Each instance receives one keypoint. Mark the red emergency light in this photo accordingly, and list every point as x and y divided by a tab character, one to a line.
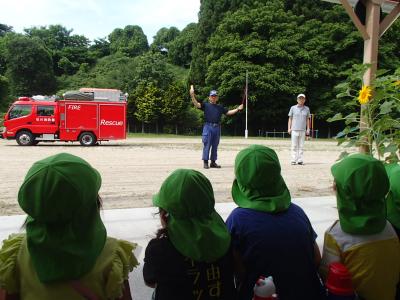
24	99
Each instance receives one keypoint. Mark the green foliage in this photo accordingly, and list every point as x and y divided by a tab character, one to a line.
177	72
68	51
173	102
163	38
130	41
4	86
381	130
286	46
29	66
110	72
4	29
147	100
150	67
211	13
180	49
100	48
2	56
273	52
389	50
192	119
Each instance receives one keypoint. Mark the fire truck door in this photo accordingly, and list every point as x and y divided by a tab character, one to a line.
45	120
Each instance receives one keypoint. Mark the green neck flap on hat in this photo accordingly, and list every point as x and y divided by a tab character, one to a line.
259	184
193	224
65	233
393	197
361	187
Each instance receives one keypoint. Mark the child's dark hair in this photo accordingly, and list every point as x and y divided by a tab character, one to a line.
162	232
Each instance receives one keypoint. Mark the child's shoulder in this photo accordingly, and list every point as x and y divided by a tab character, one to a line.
12	244
160	242
8	257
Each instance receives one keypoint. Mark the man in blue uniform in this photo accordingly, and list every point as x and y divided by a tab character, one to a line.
212	126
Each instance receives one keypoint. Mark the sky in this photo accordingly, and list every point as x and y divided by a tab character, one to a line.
98	18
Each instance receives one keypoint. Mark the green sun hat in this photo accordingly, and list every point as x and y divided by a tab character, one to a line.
258	184
393	197
194	227
361	188
64	230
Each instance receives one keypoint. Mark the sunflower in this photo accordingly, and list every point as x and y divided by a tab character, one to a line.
364	94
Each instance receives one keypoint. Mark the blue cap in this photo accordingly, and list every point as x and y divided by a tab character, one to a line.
213	93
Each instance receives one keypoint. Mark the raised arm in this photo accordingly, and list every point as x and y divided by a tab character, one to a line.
194	100
234	111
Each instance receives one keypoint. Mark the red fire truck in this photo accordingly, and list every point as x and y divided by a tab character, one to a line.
88	121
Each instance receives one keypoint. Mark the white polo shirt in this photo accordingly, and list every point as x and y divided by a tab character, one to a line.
299	115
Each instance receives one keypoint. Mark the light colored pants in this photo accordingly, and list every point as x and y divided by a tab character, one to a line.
298	137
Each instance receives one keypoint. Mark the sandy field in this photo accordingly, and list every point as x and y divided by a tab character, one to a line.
133	169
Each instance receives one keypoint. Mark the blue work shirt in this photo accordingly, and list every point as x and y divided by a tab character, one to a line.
213	112
280	245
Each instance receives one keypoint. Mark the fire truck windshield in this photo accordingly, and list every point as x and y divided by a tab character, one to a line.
18	111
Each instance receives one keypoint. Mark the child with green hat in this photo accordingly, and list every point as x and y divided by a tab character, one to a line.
65	253
362	239
190	258
272	236
393	197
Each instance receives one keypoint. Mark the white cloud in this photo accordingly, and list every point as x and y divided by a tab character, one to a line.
97	18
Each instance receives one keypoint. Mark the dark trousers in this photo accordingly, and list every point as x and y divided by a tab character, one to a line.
211	134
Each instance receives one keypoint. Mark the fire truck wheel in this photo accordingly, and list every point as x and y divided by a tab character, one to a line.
25	138
87	139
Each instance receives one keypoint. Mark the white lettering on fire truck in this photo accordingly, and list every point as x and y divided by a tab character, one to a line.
45	119
74	107
111	123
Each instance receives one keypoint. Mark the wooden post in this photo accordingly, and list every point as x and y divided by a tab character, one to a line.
372	20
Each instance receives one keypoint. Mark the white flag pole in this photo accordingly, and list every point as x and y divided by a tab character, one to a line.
246	132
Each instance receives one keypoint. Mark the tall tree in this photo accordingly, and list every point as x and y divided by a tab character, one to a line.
174	103
3	90
29	67
149	67
276	48
130	41
71	50
109	72
100	48
180	49
4	29
147	98
211	14
163	38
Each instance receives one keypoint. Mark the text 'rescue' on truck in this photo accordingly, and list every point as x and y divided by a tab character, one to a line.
87	116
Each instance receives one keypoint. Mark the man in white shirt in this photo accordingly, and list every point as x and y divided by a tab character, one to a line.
298	128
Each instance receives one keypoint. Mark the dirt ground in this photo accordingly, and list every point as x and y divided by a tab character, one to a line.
133	170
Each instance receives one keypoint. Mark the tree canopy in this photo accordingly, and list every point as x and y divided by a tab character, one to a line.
130	41
29	66
286	47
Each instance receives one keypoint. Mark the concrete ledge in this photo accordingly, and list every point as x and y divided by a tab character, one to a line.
139	225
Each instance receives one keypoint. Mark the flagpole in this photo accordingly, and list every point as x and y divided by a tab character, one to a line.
246	132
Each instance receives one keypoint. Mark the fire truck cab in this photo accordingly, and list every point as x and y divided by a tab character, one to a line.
31	121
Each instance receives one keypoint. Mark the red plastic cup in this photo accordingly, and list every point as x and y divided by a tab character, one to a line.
338	281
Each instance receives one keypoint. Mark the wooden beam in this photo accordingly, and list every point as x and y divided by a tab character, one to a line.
387	6
389	20
355	19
